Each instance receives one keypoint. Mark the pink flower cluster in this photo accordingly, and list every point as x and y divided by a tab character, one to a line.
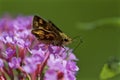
22	57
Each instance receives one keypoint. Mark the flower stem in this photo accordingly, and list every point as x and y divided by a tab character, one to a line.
43	65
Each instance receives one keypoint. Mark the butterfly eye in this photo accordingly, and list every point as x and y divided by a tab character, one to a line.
66	40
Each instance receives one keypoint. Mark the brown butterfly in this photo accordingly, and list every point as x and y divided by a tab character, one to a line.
47	33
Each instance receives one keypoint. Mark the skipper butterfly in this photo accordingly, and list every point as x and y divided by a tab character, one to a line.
47	33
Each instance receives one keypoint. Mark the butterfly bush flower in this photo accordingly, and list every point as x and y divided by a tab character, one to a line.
22	57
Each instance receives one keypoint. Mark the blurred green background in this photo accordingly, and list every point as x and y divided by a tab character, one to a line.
96	21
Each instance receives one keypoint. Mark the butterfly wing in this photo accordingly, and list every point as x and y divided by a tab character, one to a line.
38	22
46	32
55	27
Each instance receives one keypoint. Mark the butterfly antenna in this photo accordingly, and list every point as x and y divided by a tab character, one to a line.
80	41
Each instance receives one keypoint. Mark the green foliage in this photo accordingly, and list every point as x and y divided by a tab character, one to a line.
110	70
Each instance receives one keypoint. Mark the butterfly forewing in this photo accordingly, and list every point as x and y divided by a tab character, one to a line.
38	22
55	27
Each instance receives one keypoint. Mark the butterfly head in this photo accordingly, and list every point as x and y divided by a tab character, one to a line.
65	39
